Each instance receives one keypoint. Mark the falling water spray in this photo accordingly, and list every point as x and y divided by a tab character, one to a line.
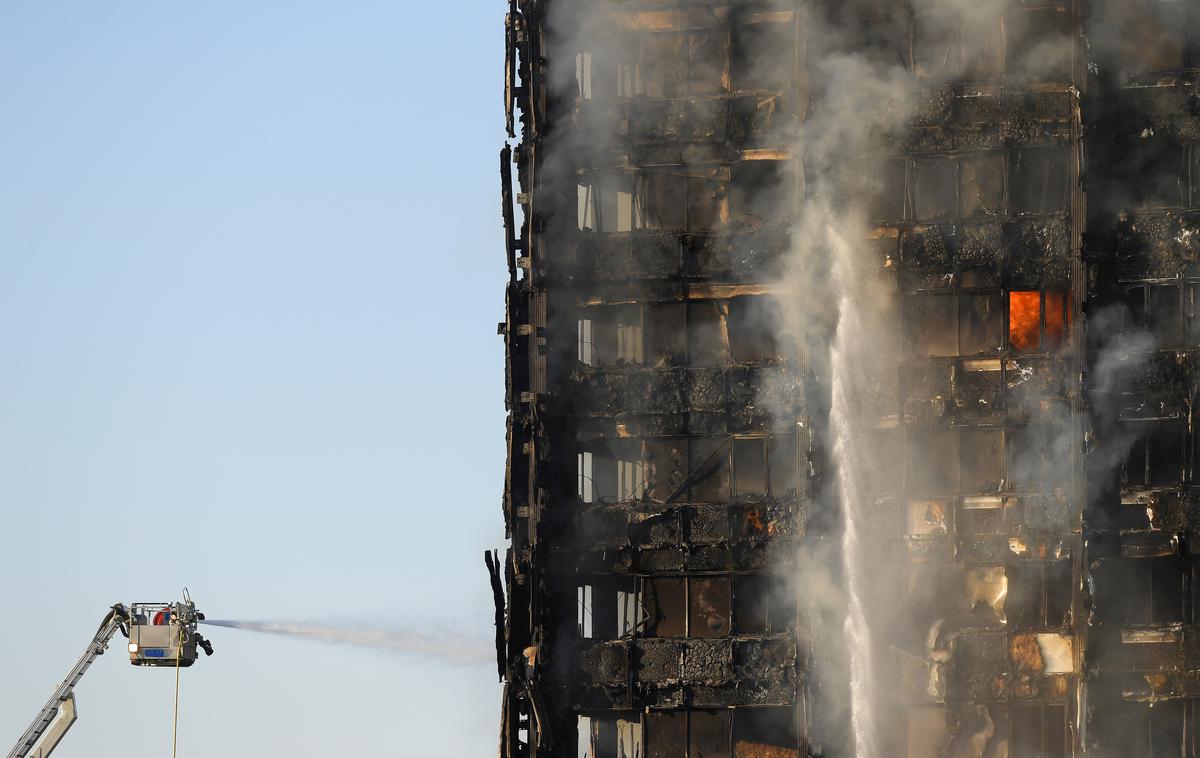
846	358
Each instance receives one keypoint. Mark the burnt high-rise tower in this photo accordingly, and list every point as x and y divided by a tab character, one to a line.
851	358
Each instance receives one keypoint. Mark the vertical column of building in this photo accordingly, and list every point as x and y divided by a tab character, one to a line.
526	729
1141	381
980	464
660	461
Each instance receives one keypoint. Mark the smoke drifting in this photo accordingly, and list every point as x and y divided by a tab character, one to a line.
448	648
926	239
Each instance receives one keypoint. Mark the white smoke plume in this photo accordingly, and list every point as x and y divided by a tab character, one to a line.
445	647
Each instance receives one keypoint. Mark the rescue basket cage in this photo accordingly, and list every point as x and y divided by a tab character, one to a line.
163	634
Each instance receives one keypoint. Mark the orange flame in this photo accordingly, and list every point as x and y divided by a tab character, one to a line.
1024	320
754	519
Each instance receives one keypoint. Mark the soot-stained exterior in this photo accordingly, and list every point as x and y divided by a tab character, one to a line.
671	489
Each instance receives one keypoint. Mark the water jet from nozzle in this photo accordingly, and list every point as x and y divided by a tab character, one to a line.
447	647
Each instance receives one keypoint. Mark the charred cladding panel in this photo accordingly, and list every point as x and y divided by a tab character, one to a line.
849	374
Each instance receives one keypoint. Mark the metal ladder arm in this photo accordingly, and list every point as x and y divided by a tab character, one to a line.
64	694
66	719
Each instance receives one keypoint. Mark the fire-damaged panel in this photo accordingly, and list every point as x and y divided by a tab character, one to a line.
851	358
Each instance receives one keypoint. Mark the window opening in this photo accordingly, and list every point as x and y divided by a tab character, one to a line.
587	484
631	480
585	345
1037	321
584	596
583	75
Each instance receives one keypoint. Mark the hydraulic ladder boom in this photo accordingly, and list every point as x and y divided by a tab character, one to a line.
63	697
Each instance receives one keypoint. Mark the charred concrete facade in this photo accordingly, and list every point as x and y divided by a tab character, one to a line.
672	489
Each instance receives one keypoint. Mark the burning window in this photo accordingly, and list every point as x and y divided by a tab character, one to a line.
1037	320
1039	180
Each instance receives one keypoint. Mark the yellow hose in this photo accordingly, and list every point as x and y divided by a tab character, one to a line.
175	722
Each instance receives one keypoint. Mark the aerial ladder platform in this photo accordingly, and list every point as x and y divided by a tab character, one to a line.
160	634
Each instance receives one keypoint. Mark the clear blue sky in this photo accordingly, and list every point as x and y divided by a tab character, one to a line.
250	274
